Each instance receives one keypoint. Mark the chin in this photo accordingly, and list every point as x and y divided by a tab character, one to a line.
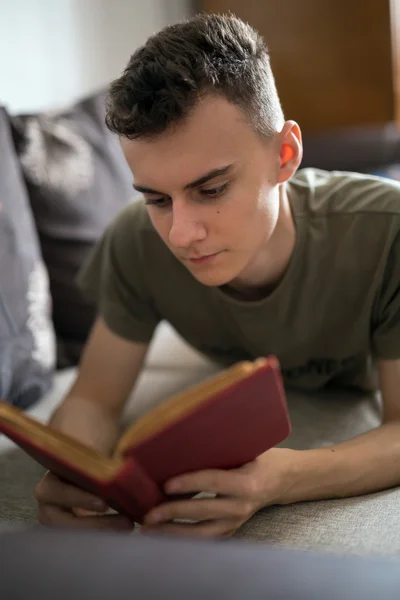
217	272
212	279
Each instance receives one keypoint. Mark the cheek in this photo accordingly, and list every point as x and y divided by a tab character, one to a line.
255	217
252	208
267	207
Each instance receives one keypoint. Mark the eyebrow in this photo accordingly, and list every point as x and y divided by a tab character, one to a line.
194	184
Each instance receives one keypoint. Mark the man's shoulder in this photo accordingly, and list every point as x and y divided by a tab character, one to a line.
132	226
133	217
340	192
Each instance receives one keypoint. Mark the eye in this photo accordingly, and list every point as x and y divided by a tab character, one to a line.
158	202
215	192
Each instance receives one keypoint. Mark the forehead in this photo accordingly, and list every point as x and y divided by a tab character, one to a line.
215	134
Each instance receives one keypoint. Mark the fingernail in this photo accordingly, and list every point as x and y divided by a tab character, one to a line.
99	505
153	518
172	487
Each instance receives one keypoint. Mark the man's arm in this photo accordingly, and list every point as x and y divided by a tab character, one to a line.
108	371
91	413
366	463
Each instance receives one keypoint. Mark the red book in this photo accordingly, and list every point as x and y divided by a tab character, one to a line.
222	423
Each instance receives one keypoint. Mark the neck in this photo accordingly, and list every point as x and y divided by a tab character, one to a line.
268	268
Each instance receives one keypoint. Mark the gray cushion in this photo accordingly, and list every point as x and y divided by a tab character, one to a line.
77	180
367	148
27	349
367	524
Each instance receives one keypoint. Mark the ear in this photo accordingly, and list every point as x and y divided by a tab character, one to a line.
290	151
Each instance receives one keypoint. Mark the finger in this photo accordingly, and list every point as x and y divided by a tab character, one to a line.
84	512
206	529
200	510
233	482
53	515
51	490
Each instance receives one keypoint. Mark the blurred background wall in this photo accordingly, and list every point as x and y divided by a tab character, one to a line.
335	61
52	52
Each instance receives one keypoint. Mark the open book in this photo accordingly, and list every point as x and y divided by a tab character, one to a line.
222	423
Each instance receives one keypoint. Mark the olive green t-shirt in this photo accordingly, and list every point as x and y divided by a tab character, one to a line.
336	309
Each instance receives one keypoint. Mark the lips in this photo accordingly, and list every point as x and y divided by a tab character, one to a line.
202	259
199	257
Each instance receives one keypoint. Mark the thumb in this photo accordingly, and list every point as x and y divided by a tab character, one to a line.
84	512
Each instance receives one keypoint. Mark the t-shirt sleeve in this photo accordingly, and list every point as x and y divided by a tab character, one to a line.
114	280
386	320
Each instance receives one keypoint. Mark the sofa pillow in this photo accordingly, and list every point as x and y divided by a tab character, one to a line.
78	180
352	148
27	345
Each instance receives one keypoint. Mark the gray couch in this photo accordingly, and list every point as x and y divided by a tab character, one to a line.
70	209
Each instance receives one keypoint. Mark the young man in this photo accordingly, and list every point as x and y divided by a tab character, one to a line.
245	257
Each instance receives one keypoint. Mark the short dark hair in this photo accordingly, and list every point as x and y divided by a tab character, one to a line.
209	54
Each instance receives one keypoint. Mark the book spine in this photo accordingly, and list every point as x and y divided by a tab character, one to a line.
134	493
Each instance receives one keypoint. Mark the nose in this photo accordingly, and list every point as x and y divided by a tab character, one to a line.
186	228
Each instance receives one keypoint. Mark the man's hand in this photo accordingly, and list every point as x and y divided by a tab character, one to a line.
367	463
62	504
239	494
91	414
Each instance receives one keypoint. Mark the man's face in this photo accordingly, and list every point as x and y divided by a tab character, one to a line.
210	185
